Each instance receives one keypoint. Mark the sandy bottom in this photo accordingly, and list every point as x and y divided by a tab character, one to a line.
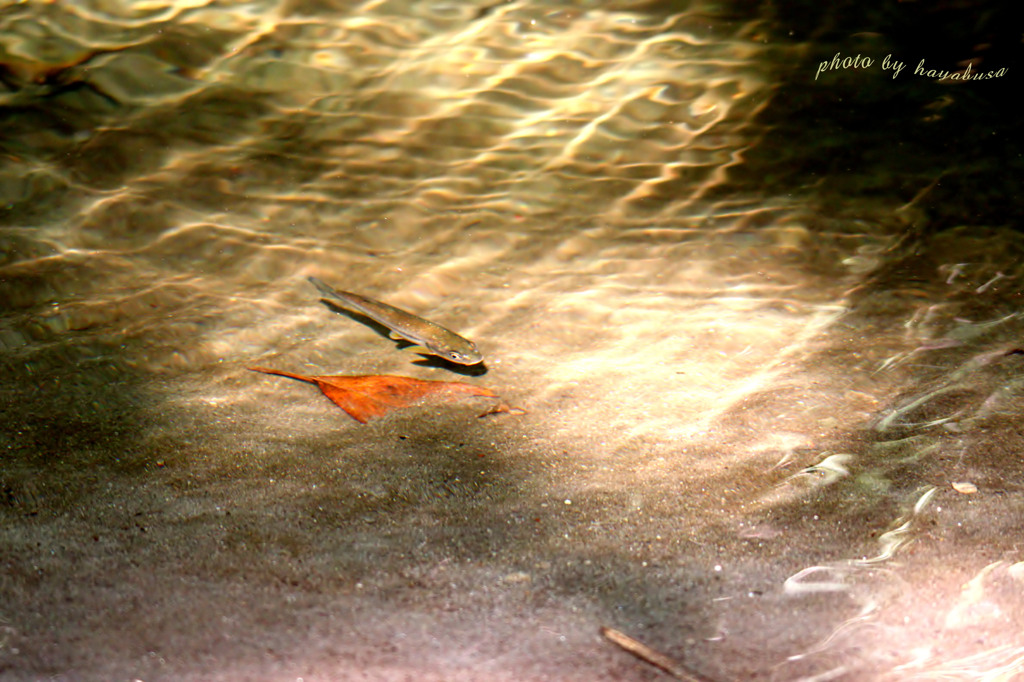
848	510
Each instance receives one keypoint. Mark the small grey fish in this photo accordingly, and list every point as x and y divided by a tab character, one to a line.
429	336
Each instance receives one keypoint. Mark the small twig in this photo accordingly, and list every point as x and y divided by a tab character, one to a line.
648	655
502	408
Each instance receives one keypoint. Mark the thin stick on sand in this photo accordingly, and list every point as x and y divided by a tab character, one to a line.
648	655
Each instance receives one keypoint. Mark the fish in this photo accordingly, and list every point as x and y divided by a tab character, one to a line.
430	337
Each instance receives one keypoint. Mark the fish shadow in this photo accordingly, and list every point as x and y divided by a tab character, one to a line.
426	360
477	370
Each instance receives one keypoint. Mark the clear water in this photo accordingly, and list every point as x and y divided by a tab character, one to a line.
768	344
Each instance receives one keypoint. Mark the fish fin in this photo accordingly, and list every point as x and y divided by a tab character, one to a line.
420	349
396	336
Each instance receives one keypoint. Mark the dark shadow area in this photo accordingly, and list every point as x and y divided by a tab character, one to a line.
852	133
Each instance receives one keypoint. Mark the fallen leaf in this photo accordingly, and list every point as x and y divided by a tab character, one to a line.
366	397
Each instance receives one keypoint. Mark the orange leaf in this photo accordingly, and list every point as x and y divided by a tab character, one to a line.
366	397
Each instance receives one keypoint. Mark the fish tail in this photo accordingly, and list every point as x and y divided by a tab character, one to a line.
324	289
